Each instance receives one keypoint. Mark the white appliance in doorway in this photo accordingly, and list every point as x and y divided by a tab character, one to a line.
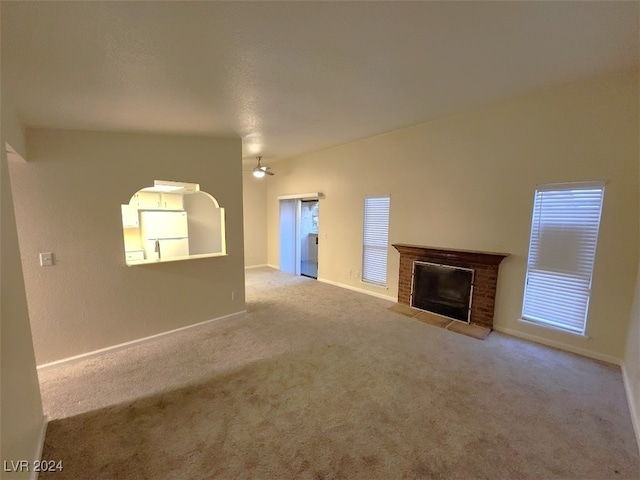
164	234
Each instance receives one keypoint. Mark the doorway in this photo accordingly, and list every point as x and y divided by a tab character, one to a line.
299	235
309	238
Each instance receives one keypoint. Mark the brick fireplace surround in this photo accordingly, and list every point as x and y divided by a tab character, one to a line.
485	265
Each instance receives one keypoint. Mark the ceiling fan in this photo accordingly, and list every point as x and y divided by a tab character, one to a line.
259	171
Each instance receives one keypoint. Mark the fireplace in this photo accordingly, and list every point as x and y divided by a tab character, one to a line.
469	271
442	289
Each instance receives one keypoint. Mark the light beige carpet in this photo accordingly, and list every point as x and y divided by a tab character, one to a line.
405	310
320	382
470	330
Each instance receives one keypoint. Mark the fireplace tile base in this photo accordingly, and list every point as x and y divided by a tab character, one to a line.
475	331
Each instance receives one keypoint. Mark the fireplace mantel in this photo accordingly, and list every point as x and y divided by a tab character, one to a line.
474	256
484	264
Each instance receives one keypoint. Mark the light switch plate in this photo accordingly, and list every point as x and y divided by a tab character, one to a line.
46	259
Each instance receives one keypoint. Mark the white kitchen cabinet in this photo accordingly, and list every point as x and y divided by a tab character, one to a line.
147	200
171	201
158	201
130	216
134	255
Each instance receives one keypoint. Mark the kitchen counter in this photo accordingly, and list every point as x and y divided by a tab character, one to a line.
174	259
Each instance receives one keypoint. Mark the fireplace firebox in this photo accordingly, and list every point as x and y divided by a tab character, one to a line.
442	289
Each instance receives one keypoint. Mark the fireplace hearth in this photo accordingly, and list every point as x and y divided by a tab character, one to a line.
444	299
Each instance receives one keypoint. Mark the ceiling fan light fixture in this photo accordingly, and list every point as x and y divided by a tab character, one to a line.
259	171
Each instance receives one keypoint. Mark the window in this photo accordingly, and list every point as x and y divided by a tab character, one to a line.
562	250
375	239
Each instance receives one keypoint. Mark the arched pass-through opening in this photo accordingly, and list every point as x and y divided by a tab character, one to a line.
172	221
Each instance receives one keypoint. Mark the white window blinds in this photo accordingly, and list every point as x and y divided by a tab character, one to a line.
562	250
376	234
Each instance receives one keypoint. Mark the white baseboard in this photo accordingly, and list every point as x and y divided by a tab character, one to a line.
251	267
634	408
40	446
359	290
560	345
276	267
120	346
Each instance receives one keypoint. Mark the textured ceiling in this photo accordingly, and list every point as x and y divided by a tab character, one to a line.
296	77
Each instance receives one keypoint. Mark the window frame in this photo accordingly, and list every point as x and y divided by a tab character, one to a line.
372	273
566	221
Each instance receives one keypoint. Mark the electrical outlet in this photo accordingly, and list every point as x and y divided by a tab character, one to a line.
46	259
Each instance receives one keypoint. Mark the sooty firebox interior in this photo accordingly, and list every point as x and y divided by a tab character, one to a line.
442	289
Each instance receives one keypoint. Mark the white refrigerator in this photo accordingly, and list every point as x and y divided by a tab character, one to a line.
165	235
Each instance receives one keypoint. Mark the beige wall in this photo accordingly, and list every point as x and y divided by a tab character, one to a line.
631	365
467	181
205	224
20	403
255	219
68	198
